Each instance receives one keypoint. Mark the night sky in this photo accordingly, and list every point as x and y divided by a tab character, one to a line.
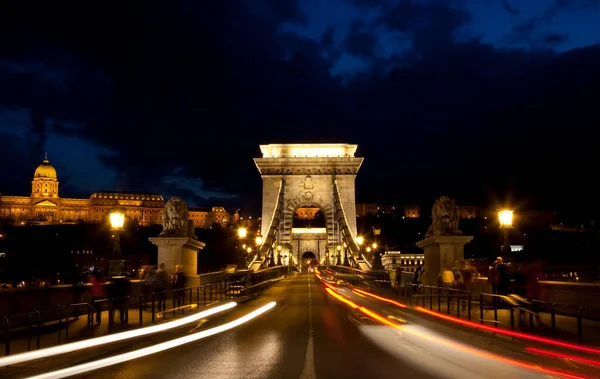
489	101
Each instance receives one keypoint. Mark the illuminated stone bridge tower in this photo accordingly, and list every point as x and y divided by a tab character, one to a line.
308	176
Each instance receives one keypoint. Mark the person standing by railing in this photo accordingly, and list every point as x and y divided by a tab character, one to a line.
96	282
178	282
418	274
534	290
503	278
447	278
160	285
494	276
119	293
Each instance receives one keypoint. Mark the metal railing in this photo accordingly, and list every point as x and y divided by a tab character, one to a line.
461	303
161	305
56	319
348	270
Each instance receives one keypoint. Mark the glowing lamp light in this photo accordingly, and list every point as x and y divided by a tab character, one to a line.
259	240
374	246
360	240
279	247
242	232
368	249
506	218
339	247
117	219
249	250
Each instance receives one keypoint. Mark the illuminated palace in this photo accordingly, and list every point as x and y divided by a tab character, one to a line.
46	206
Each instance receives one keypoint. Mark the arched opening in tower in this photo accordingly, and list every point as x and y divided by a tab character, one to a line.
309	217
309	259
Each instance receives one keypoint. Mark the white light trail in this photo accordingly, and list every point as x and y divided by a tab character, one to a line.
70	371
86	344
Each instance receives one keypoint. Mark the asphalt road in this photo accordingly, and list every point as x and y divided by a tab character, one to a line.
275	344
310	334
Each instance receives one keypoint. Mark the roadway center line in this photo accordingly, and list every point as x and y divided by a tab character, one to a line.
309	361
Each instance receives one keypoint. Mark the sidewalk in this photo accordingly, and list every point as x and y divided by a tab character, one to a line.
22	339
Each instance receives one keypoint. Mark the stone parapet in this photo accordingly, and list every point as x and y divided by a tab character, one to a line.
440	252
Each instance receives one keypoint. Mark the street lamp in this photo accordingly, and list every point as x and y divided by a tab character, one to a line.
279	256
272	257
360	240
376	263
242	233
506	223
258	242
117	220
346	262
339	261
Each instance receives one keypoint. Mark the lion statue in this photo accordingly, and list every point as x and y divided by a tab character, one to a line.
176	219
445	218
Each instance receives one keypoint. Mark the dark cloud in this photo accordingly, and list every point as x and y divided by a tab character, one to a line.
432	25
192	89
509	8
555	39
570	5
359	42
528	35
327	38
577	4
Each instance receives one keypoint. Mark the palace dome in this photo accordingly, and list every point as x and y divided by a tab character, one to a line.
45	170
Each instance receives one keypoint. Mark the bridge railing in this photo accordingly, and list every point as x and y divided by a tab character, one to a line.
144	309
212	277
267	274
565	321
348	270
76	321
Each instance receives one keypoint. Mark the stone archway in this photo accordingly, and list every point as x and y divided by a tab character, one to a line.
308	259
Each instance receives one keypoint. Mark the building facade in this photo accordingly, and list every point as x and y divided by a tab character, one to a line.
45	206
412	211
406	262
365	209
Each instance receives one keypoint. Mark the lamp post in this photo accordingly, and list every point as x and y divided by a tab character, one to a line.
376	264
272	256
506	223
117	220
242	234
338	262
258	241
279	256
359	241
346	262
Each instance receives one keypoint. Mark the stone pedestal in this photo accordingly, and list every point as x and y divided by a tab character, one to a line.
441	251
174	251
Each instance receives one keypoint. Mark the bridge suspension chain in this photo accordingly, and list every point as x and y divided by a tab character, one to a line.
343	221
